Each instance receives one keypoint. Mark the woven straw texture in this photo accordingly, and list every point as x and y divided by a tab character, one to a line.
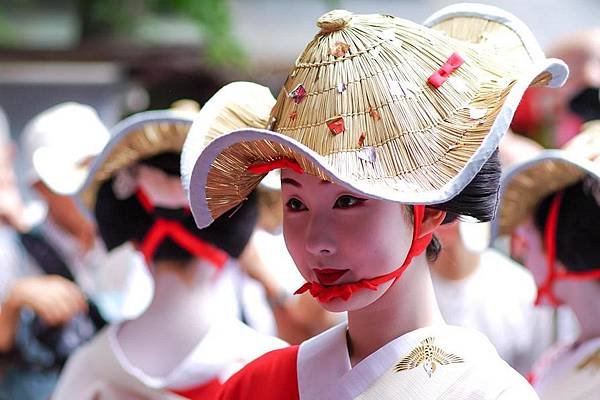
235	106
529	183
399	132
130	145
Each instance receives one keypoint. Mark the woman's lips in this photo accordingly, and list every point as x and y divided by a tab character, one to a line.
328	276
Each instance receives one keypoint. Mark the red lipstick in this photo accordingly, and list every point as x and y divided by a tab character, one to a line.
328	276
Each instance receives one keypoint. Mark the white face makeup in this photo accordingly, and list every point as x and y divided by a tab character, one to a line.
162	190
336	236
534	257
533	254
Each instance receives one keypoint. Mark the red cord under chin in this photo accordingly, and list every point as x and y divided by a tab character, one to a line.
546	290
344	291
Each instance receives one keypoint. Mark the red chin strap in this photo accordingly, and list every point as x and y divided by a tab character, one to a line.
164	228
546	290
327	293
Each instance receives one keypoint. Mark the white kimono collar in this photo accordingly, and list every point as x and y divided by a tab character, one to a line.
570	369
325	372
226	347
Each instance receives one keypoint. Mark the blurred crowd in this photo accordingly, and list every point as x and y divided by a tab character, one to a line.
100	258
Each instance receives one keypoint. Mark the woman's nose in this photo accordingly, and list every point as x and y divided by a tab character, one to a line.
320	240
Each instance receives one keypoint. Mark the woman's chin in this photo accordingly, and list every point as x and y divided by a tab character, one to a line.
359	300
337	305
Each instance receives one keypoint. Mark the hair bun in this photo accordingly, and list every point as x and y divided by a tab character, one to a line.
334	20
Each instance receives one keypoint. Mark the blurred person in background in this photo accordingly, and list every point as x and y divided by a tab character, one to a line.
515	148
58	147
190	338
471	283
552	203
552	118
471	280
45	314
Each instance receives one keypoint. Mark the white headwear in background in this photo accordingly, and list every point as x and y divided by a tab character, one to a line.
272	181
4	128
58	143
475	236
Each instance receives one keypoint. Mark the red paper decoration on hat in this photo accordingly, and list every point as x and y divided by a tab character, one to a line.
374	114
336	125
361	139
441	75
340	49
298	94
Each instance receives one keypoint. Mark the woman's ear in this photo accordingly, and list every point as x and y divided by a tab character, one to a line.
431	220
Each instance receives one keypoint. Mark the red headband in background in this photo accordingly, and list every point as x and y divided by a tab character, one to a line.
164	228
546	290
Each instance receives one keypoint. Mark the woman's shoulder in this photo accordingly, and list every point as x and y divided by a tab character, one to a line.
271	376
470	341
99	348
473	345
569	371
485	371
83	373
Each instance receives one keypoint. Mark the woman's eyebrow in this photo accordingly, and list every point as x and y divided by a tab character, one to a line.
292	182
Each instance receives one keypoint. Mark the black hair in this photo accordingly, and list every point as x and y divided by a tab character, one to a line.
433	249
478	200
122	220
578	226
586	104
169	162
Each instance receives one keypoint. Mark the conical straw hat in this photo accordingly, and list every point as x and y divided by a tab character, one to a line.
527	184
140	136
385	107
237	105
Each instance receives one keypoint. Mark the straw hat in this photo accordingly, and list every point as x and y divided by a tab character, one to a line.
528	183
135	138
236	105
59	143
386	107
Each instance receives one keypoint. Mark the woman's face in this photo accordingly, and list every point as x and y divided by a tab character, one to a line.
337	236
533	254
532	250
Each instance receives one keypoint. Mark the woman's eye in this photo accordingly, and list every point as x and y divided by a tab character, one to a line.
294	204
348	201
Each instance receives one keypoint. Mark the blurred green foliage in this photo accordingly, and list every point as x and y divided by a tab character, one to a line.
213	18
100	20
117	19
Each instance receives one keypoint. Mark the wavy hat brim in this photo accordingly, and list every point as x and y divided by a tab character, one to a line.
135	138
527	184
